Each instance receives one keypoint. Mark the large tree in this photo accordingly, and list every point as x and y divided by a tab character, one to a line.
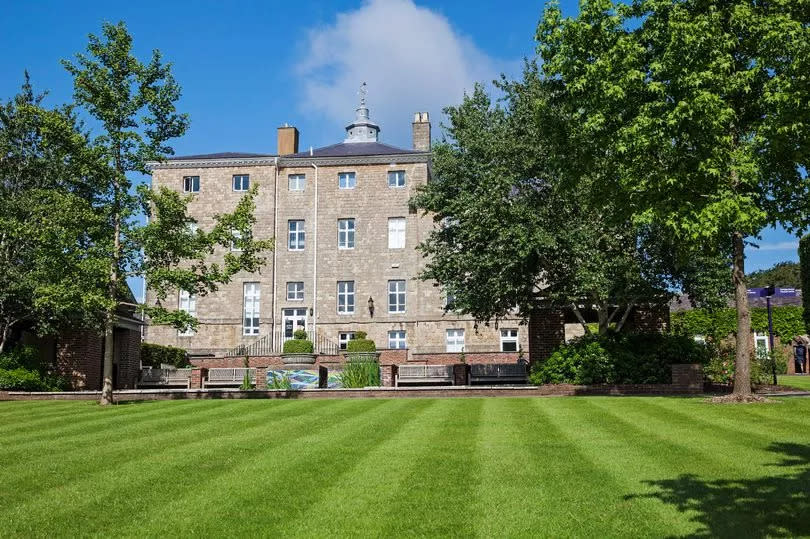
132	105
706	104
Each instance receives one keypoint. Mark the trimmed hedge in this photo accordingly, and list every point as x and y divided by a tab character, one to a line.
360	343
787	322
298	346
156	354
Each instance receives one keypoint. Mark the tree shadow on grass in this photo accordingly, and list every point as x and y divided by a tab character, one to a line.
774	505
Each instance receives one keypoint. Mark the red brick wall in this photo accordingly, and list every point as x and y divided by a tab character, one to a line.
79	356
470	358
546	333
128	357
648	319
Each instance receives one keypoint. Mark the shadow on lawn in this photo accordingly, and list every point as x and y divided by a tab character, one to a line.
776	505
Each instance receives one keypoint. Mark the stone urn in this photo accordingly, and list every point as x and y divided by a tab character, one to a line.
298	359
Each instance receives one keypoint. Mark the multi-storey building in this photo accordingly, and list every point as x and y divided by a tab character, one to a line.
345	257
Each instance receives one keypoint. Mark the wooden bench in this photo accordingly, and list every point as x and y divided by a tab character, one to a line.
165	377
498	372
424	374
224	377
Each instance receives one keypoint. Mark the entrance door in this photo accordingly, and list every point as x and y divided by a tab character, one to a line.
294	319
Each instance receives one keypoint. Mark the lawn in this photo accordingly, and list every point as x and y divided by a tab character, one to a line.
801	382
587	466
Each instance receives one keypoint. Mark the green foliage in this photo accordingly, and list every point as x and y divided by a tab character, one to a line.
300	334
781	274
156	354
279	381
361	344
642	358
246	385
804	262
360	373
722	367
22	370
719	324
298	346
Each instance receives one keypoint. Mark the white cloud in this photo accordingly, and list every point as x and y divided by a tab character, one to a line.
779	246
411	58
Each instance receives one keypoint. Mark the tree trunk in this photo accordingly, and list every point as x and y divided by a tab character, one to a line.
604	319
109	321
581	319
742	372
5	336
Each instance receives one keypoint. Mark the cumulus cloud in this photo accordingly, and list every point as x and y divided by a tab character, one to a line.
779	246
411	58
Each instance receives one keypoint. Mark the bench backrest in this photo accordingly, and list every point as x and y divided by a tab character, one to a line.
220	374
425	371
164	376
498	370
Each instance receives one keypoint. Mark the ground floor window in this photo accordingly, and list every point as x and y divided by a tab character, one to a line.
294	319
396	339
343	339
761	342
252	299
455	340
509	340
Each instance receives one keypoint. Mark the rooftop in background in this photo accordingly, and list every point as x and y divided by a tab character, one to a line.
352	149
782	297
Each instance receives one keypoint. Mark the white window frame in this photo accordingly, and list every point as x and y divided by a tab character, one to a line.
234	244
397	339
347	180
454	340
242	181
251	301
399	295
399	179
187	302
346	233
509	336
296	182
346	296
189	184
396	232
343	339
294	291
761	337
297	235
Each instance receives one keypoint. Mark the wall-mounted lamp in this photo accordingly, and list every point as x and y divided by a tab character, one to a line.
371	307
311	311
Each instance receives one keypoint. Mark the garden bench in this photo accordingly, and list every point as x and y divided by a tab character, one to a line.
498	372
424	374
229	377
165	377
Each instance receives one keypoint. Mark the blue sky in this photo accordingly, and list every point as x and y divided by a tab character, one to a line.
248	67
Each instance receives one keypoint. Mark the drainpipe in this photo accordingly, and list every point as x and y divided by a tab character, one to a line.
315	262
275	252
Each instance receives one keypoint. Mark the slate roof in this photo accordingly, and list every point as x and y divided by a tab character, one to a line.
353	149
683	303
221	155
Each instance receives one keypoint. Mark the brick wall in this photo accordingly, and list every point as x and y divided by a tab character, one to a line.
79	356
648	319
546	333
470	358
127	357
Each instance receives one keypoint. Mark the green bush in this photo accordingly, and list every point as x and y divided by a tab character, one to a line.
360	343
298	346
300	334
718	324
358	373
722	366
23	356
642	358
22	370
156	354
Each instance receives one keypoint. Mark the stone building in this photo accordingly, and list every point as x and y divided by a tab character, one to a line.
345	257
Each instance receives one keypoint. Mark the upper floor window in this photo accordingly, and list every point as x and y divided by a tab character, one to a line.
396	296
295	291
509	340
241	182
345	296
252	299
237	240
396	339
188	303
345	233
396	178
297	236
297	182
191	184
347	180
396	233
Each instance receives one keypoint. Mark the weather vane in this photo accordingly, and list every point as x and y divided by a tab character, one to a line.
362	94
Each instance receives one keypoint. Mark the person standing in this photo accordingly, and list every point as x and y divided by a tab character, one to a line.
799	355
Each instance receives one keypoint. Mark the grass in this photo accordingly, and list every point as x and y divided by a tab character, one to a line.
798	381
599	467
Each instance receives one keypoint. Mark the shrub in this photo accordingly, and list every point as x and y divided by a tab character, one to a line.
26	357
22	370
298	346
279	381
300	334
721	368
358	373
583	362
360	343
156	354
246	383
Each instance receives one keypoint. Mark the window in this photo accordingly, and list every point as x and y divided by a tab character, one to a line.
188	303
252	297
396	178
295	291
345	297
297	182
700	339
761	342
343	339
509	340
455	340
237	237
449	302
396	233
396	339
192	228
191	184
241	182
347	180
297	235
396	296
345	233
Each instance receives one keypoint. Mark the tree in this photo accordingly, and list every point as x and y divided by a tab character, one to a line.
705	102
782	274
804	261
48	177
133	105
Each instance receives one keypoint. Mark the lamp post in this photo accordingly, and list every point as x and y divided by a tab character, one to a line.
768	293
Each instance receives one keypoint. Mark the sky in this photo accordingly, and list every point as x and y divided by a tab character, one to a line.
248	67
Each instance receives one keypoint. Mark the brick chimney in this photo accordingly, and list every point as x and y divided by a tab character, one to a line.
421	131
287	140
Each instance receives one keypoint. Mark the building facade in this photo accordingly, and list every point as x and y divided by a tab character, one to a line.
345	257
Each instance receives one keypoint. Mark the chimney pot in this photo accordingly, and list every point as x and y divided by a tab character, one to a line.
421	131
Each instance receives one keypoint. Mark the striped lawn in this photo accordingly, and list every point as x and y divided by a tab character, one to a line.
793	380
556	467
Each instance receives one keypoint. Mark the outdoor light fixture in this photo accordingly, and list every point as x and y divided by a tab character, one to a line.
311	311
371	307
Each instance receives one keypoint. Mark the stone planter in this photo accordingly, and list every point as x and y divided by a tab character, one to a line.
298	359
